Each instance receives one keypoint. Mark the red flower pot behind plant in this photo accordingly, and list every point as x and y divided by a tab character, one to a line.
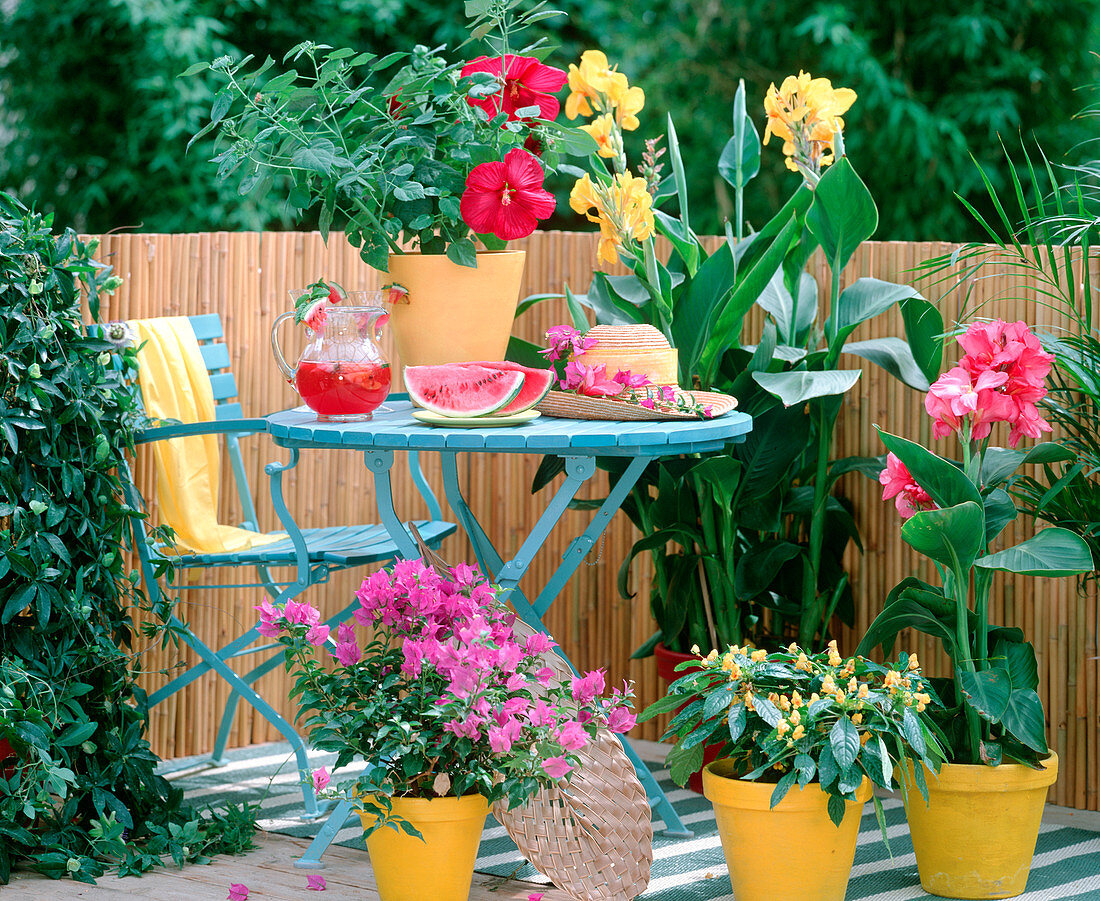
6	753
667	661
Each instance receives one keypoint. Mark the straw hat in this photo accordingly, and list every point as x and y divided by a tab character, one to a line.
639	350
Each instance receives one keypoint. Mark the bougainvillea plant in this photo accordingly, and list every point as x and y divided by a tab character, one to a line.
406	150
954	511
444	698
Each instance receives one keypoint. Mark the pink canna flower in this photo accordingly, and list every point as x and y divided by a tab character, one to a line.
956	395
556	767
898	482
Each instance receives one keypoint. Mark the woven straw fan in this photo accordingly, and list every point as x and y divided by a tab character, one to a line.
591	836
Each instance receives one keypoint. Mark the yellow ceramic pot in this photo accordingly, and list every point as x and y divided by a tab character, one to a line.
976	836
452	313
439	867
818	857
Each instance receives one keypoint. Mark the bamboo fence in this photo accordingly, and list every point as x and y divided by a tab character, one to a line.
245	277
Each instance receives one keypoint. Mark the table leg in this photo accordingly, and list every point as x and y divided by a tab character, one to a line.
508	574
380	462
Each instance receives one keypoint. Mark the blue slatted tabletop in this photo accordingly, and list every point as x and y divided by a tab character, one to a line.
395	429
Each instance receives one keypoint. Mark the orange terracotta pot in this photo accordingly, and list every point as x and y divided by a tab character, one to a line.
452	313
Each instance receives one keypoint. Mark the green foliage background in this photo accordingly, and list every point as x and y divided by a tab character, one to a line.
93	121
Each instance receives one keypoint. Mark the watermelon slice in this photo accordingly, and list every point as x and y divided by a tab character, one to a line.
459	389
536	384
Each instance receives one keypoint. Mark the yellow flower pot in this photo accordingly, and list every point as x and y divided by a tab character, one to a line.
976	836
753	833
439	867
454	314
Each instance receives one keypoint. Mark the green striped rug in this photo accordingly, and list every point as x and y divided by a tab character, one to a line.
1066	865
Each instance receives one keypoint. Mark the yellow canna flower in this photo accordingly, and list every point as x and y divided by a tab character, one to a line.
759	655
798	732
624	212
784	703
913	663
834	655
796	699
853	685
805	112
602	130
783	728
595	87
626	101
792	648
796	717
857	718
828	686
864	691
892	679
840	697
803	663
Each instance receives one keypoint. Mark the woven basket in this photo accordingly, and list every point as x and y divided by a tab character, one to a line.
591	836
567	405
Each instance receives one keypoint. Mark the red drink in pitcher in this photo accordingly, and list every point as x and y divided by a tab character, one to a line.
342	388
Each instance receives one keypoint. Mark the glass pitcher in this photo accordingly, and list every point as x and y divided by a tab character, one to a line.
342	375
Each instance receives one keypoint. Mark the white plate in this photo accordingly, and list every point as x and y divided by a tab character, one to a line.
475	422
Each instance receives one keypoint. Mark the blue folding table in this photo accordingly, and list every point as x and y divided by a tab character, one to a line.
579	442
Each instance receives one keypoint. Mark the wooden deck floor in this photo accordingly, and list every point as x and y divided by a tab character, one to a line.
268	872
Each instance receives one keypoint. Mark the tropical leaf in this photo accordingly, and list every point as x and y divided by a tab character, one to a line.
1052	552
797	387
951	536
843	214
945	483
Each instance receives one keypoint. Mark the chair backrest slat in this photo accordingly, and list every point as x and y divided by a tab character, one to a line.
207	327
224	386
215	356
228	411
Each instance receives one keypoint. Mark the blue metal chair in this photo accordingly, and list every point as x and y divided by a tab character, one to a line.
313	553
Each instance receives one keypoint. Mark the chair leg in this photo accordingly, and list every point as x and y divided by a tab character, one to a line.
240	689
311	859
232	703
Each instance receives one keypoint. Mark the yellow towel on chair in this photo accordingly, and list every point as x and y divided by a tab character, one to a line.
175	384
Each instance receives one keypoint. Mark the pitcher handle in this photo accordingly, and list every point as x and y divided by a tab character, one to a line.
278	351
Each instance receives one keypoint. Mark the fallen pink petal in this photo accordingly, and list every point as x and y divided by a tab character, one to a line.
315	883
238	891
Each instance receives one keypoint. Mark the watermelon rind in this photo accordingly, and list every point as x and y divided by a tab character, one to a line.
461	390
536	384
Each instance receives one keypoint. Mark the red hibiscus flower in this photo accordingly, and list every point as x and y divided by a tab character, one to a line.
527	82
506	198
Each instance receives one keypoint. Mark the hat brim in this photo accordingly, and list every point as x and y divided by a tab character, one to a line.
567	405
